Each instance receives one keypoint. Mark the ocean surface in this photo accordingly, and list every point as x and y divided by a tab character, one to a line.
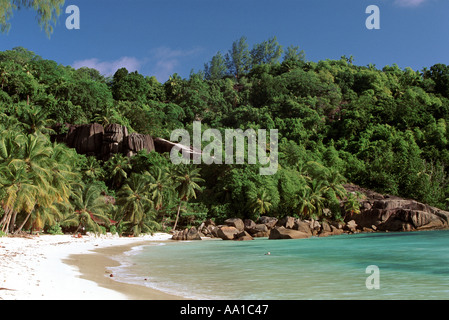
407	265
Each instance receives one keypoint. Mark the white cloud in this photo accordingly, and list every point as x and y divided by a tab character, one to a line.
162	62
409	3
108	68
166	61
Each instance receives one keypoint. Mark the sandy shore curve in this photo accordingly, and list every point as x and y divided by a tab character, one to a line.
62	267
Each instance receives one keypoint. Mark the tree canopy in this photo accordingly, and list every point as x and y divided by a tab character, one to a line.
384	129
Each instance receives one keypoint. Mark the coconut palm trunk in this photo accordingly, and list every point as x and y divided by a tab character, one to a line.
187	178
177	215
12	221
7	220
23	223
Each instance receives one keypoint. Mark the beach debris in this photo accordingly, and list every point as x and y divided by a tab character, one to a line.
111	275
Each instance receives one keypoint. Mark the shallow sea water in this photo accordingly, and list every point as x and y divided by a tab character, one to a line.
412	265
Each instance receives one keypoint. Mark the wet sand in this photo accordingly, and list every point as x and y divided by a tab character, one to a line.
95	267
63	267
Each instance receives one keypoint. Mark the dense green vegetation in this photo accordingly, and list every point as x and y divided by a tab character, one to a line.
384	129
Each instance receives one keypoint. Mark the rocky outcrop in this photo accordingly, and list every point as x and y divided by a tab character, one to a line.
208	229
113	138
285	233
102	142
378	213
389	213
227	233
162	145
85	139
270	222
329	229
303	226
236	223
136	142
257	230
243	236
187	235
287	222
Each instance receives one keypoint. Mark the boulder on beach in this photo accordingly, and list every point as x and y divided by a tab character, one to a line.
284	233
249	224
302	226
258	230
235	222
391	213
243	236
328	229
270	222
287	222
227	232
351	226
187	234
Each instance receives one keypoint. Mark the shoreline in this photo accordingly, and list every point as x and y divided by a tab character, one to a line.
61	267
95	267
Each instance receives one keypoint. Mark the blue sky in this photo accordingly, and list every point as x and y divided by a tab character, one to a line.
160	37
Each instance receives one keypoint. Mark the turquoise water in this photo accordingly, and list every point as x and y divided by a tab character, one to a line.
412	265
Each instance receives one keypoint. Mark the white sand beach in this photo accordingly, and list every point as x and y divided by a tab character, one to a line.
47	267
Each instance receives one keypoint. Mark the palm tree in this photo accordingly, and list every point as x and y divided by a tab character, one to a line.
260	202
160	184
34	121
92	168
334	181
90	209
18	194
27	174
134	199
9	144
352	204
36	177
35	153
187	177
310	199
304	205
118	167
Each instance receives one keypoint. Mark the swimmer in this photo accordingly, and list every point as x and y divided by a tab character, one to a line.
268	253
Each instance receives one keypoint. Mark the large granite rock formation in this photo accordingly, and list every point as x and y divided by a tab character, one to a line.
187	235
113	138
389	213
285	233
136	142
85	139
103	142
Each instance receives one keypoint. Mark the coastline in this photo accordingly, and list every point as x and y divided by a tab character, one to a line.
95	267
61	267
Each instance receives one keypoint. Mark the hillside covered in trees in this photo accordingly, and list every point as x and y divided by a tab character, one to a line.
383	129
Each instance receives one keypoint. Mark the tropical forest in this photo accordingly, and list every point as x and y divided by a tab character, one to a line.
382	128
